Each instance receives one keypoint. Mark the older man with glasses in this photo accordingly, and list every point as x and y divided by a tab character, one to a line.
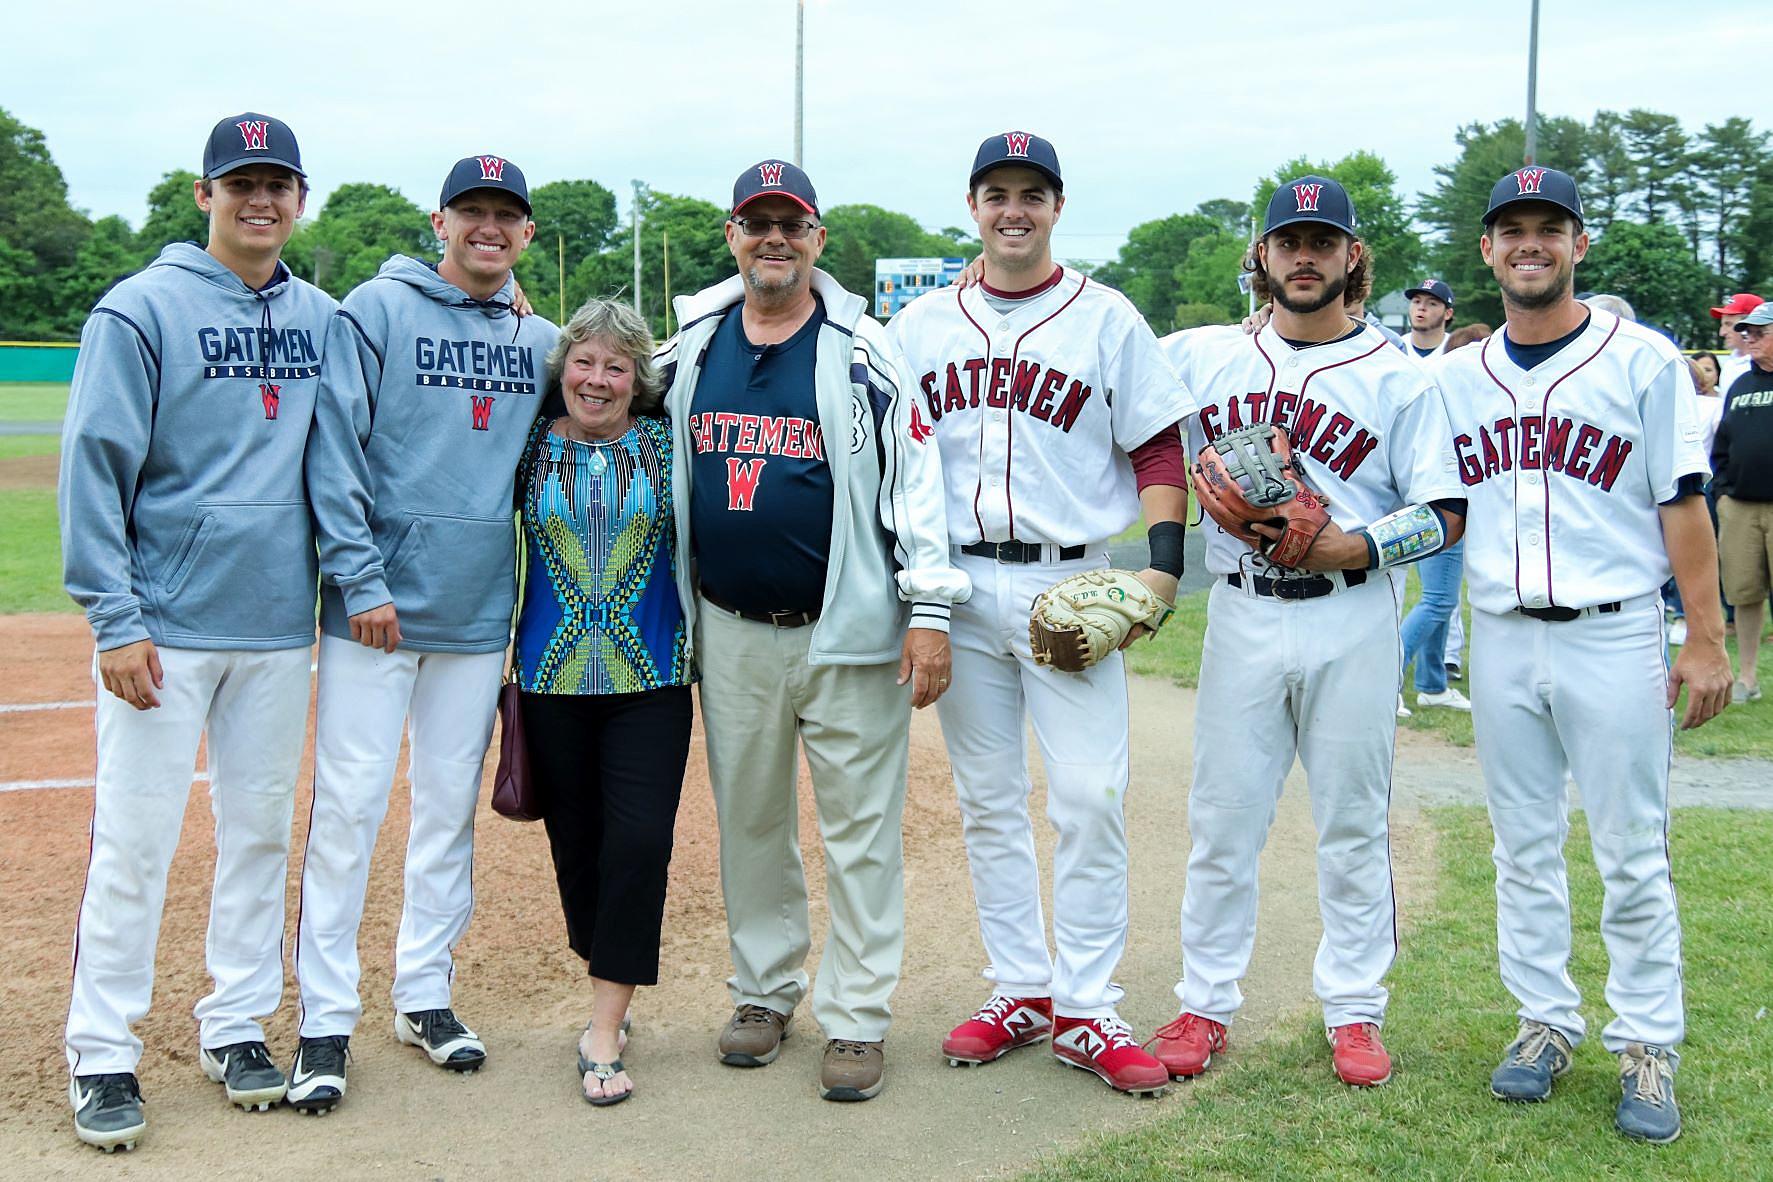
811	532
1742	460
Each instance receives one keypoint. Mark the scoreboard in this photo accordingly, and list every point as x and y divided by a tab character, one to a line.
899	281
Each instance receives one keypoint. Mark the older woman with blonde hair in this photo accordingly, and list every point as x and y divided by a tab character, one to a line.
601	663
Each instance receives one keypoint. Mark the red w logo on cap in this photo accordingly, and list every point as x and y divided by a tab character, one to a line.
1307	196
771	172
256	133
492	168
1529	180
1016	142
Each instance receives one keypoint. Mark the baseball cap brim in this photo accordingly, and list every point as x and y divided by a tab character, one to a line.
1019	162
1308	217
1762	315
1531	199
776	193
1735	306
1411	292
240	162
461	193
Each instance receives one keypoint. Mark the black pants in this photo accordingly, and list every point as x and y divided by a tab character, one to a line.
610	770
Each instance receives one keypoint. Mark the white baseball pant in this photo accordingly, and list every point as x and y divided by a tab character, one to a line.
447	702
254	708
1080	723
1316	678
1587	696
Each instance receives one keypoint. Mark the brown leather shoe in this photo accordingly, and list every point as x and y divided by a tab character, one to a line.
852	1070
754	1036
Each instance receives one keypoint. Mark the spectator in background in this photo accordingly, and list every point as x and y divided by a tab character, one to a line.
1735	362
1618	305
1711	411
1742	460
1466	334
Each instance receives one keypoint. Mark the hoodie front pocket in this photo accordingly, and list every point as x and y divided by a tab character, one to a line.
247	572
451	578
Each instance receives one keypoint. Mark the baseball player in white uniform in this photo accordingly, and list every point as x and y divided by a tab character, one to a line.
1305	660
1056	416
1579	448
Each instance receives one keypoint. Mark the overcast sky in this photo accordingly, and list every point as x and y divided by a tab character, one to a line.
1153	107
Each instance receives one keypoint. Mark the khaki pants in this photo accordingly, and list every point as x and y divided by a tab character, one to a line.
758	694
1745	550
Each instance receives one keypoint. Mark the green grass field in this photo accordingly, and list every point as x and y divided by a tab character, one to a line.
1274	1110
30	553
13	446
31	402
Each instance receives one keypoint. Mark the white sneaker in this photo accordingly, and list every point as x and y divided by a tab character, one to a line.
1403	711
1449	698
1677	632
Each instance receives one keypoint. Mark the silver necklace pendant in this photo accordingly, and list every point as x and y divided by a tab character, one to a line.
598	463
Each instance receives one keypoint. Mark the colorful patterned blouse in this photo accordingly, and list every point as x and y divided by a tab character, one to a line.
600	609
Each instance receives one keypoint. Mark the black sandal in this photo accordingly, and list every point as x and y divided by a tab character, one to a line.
605	1072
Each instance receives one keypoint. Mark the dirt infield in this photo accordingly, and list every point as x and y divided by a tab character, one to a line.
522	990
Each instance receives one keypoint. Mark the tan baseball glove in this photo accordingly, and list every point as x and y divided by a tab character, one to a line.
1080	620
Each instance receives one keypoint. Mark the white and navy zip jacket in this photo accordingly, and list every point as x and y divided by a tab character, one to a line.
184	518
890	565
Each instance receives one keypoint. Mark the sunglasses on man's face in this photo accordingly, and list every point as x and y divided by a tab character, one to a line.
790	227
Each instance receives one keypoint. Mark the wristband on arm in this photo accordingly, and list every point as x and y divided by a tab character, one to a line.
1165	538
1411	534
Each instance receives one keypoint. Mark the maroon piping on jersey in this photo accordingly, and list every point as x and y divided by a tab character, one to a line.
1009	420
1544	411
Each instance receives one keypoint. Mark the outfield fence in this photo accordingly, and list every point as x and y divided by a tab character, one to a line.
37	361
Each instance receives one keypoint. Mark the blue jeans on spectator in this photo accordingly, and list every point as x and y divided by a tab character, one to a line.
1425	628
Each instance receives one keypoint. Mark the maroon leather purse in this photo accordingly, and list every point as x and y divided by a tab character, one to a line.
514	788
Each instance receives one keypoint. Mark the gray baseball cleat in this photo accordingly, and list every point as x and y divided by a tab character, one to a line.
1538	1055
245	1070
107	1110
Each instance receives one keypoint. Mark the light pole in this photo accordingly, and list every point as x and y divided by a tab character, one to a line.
1533	87
800	73
636	219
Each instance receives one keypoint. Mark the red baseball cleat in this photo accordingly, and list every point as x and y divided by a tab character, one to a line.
1187	1045
1360	1058
1001	1025
1106	1047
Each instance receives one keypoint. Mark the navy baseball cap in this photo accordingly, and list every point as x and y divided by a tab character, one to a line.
484	172
1021	149
775	178
1310	199
1534	183
250	138
1432	287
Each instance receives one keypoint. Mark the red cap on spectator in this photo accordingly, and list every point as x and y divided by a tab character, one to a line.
1740	304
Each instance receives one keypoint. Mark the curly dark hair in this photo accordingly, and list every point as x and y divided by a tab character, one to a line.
1360	276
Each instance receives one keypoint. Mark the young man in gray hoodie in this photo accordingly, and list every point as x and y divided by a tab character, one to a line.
421	418
186	538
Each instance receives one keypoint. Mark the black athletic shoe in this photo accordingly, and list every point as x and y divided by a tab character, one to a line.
443	1038
246	1071
317	1077
107	1110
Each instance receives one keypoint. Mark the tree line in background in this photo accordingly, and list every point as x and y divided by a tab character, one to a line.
1676	219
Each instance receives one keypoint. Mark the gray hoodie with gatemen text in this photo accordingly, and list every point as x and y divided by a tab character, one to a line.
424	408
184	518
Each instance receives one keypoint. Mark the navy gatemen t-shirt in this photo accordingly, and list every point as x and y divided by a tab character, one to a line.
761	500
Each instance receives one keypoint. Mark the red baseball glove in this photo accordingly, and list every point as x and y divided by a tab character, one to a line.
1251	475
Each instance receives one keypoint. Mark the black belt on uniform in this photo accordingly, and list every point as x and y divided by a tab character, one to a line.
1309	587
1014	551
779	619
1563	615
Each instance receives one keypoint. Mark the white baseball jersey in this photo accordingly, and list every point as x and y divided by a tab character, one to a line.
1565	465
1035	408
1367	423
